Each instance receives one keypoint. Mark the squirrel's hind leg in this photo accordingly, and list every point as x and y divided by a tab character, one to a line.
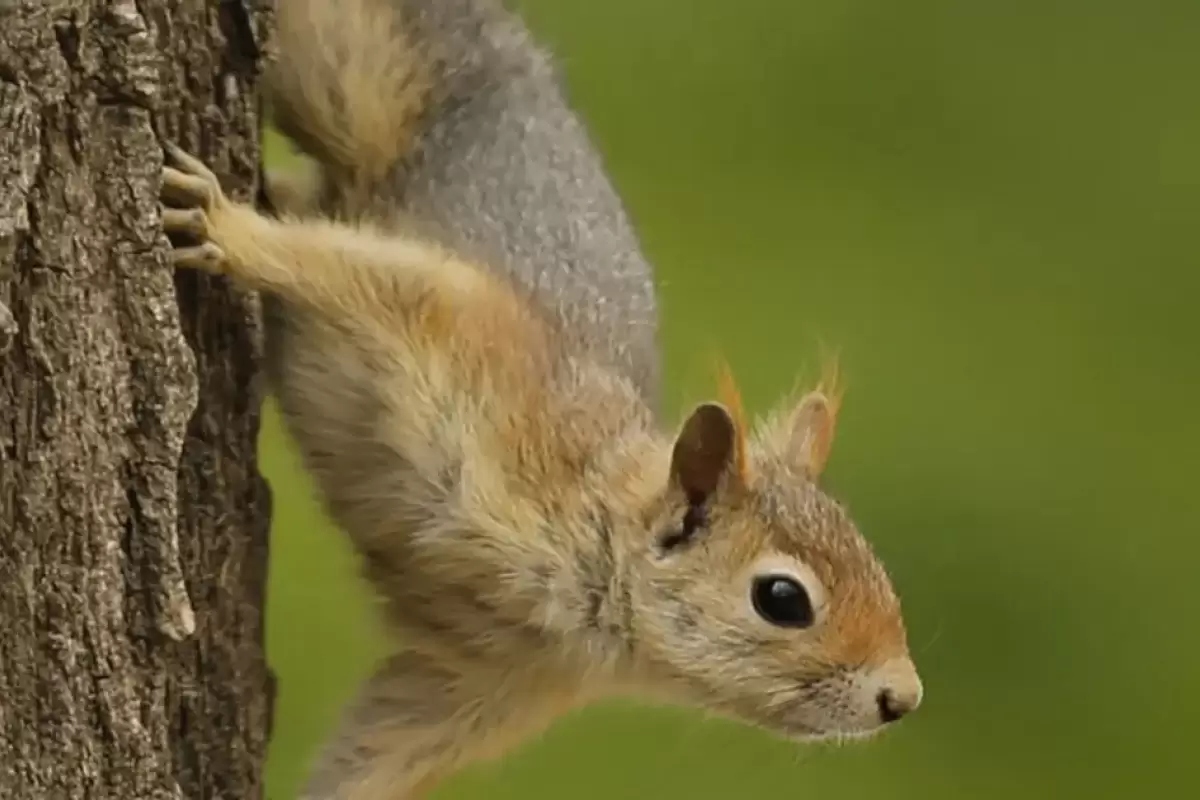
414	723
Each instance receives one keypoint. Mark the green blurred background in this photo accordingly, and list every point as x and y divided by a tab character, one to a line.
992	211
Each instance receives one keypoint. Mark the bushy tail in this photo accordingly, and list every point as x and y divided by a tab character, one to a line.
348	83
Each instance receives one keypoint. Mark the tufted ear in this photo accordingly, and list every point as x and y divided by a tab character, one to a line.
706	450
809	432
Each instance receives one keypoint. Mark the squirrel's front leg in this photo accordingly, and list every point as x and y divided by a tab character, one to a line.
349	274
214	234
327	267
417	721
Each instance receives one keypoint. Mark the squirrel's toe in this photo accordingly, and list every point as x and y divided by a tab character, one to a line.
186	191
191	222
206	257
178	157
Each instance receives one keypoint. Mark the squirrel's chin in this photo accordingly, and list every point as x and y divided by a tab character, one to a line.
809	735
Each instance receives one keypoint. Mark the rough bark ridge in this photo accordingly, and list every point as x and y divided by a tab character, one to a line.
133	520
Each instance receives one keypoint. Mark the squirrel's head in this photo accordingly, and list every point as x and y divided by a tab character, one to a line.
760	600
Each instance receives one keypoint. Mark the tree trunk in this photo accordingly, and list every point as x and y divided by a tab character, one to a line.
133	520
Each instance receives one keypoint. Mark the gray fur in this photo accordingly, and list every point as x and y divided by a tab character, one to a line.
504	171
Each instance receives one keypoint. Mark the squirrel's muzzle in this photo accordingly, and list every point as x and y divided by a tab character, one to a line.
897	688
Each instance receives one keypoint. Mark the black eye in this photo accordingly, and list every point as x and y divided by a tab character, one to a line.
782	601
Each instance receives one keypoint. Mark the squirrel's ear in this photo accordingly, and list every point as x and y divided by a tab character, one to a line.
810	432
707	448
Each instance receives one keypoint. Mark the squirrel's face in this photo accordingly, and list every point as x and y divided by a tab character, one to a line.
762	600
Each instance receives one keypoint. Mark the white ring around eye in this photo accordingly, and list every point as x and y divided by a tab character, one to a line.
780	564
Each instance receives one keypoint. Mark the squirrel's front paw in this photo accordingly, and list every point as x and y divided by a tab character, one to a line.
190	194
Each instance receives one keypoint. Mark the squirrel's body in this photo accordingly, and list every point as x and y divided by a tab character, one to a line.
461	337
446	118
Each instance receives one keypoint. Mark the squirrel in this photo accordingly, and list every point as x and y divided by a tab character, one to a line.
461	338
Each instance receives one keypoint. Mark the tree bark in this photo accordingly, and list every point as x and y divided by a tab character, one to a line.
133	519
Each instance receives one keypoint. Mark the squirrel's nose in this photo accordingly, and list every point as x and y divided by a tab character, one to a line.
893	706
899	691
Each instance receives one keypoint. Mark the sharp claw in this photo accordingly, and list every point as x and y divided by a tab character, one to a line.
171	152
189	163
